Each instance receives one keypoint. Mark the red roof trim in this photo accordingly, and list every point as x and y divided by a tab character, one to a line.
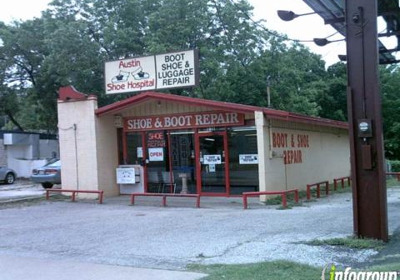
109	109
226	106
70	93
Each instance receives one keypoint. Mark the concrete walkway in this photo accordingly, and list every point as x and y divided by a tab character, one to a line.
14	268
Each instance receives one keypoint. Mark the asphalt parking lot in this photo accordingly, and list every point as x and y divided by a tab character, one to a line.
147	236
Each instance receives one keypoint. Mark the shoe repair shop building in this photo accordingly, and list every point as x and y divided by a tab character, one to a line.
208	147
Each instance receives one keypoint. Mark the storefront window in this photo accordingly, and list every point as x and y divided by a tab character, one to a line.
228	160
134	147
243	160
120	136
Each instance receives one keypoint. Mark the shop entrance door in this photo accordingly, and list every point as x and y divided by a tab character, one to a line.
212	173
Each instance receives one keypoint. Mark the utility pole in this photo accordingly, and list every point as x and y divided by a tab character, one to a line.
365	121
268	91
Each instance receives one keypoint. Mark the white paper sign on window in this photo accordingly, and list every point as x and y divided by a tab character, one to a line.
156	154
211	168
126	176
248	159
139	151
212	159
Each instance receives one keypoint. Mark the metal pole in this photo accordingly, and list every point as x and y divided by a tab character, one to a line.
365	121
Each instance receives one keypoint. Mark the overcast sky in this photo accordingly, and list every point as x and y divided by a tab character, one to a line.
303	28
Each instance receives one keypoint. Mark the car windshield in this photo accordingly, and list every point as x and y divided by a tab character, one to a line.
54	164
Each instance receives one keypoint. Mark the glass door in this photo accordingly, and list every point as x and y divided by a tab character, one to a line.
212	175
183	161
170	164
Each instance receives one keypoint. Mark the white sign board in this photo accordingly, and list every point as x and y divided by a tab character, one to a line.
126	176
212	159
156	154
176	69
248	159
128	75
171	70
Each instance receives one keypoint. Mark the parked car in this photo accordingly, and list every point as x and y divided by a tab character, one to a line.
47	175
7	175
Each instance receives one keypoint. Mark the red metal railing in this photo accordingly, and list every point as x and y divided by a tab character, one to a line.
165	195
397	174
342	179
281	193
318	186
74	192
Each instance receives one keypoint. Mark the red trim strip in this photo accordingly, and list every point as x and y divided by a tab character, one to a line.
270	113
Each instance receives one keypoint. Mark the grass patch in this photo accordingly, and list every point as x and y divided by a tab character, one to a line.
392	182
273	200
276	270
385	267
290	203
350	242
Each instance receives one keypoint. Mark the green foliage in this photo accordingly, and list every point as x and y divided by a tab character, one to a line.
266	270
392	182
332	94
294	72
395	165
70	42
390	83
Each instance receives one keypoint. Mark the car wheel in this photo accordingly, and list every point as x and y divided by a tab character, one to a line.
10	178
47	185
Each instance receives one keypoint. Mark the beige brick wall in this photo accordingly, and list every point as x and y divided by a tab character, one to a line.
88	148
78	147
316	154
107	155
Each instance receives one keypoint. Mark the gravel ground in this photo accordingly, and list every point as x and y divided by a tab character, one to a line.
149	236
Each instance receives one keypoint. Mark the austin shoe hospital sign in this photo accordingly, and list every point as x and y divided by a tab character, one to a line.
162	71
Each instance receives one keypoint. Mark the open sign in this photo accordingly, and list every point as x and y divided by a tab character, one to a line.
156	154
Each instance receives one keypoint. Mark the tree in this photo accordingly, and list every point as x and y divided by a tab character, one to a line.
333	97
70	42
294	72
21	54
390	84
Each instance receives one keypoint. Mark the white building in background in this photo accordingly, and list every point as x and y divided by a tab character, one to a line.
24	151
